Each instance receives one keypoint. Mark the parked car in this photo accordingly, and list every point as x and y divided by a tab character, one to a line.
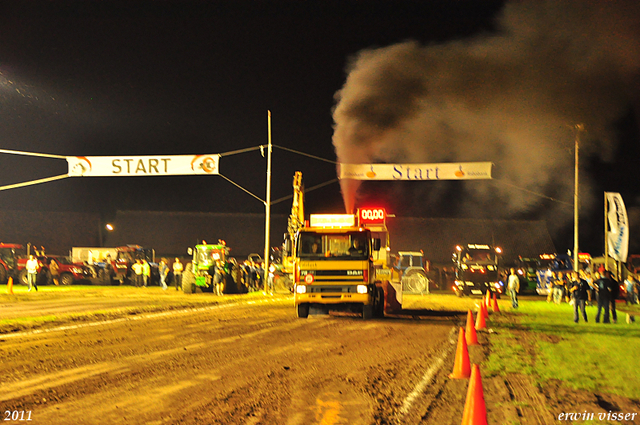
69	272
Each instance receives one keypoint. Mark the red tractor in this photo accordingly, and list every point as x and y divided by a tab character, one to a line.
126	256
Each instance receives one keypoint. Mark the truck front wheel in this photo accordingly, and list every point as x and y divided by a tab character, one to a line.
378	310
367	312
302	310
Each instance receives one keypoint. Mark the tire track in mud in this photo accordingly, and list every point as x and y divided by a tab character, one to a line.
47	381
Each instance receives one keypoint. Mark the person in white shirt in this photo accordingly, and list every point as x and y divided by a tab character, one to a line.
177	273
513	285
32	272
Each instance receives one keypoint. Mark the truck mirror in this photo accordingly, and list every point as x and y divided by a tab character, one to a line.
287	246
376	244
190	251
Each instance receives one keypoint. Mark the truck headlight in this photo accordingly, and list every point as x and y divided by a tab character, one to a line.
362	289
301	289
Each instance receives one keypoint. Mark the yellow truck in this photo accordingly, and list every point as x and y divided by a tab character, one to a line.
342	264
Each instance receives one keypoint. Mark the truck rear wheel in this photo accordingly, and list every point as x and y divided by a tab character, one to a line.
302	310
188	279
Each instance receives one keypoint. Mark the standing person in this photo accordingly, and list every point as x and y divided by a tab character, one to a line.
163	268
551	278
255	276
579	291
177	273
513	285
146	273
270	278
603	285
558	288
32	272
630	288
614	292
246	275
586	276
136	270
54	269
218	277
108	269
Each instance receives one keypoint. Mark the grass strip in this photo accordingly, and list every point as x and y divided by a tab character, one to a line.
589	356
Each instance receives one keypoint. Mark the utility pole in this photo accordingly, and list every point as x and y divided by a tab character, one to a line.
579	128
267	204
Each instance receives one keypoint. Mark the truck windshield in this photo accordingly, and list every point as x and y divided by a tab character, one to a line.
351	245
478	256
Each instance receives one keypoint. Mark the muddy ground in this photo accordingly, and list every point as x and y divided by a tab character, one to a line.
243	360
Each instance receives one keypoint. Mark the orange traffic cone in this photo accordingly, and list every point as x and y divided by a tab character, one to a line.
10	285
486	311
461	367
496	308
475	410
472	337
486	298
480	320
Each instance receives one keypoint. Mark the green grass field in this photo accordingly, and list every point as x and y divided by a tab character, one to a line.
590	356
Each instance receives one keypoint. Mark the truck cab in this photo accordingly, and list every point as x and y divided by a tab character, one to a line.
340	266
476	268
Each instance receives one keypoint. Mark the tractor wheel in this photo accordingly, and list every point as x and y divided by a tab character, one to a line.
22	277
188	280
302	310
416	281
3	275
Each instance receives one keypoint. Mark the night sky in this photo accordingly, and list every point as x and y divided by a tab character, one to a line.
149	78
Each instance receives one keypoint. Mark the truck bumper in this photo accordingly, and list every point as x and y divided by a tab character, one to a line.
333	298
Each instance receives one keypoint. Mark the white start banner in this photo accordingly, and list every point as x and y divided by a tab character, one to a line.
155	165
618	233
444	171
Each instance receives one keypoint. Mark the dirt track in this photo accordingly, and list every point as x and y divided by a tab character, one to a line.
236	363
131	356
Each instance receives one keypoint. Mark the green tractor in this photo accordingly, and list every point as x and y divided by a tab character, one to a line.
196	273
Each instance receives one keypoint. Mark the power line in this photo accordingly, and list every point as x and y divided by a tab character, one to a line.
44	155
32	182
531	192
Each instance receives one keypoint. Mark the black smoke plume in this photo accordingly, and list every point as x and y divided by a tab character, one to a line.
512	98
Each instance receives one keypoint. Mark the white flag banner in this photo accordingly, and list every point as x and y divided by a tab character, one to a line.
618	233
444	171
155	165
